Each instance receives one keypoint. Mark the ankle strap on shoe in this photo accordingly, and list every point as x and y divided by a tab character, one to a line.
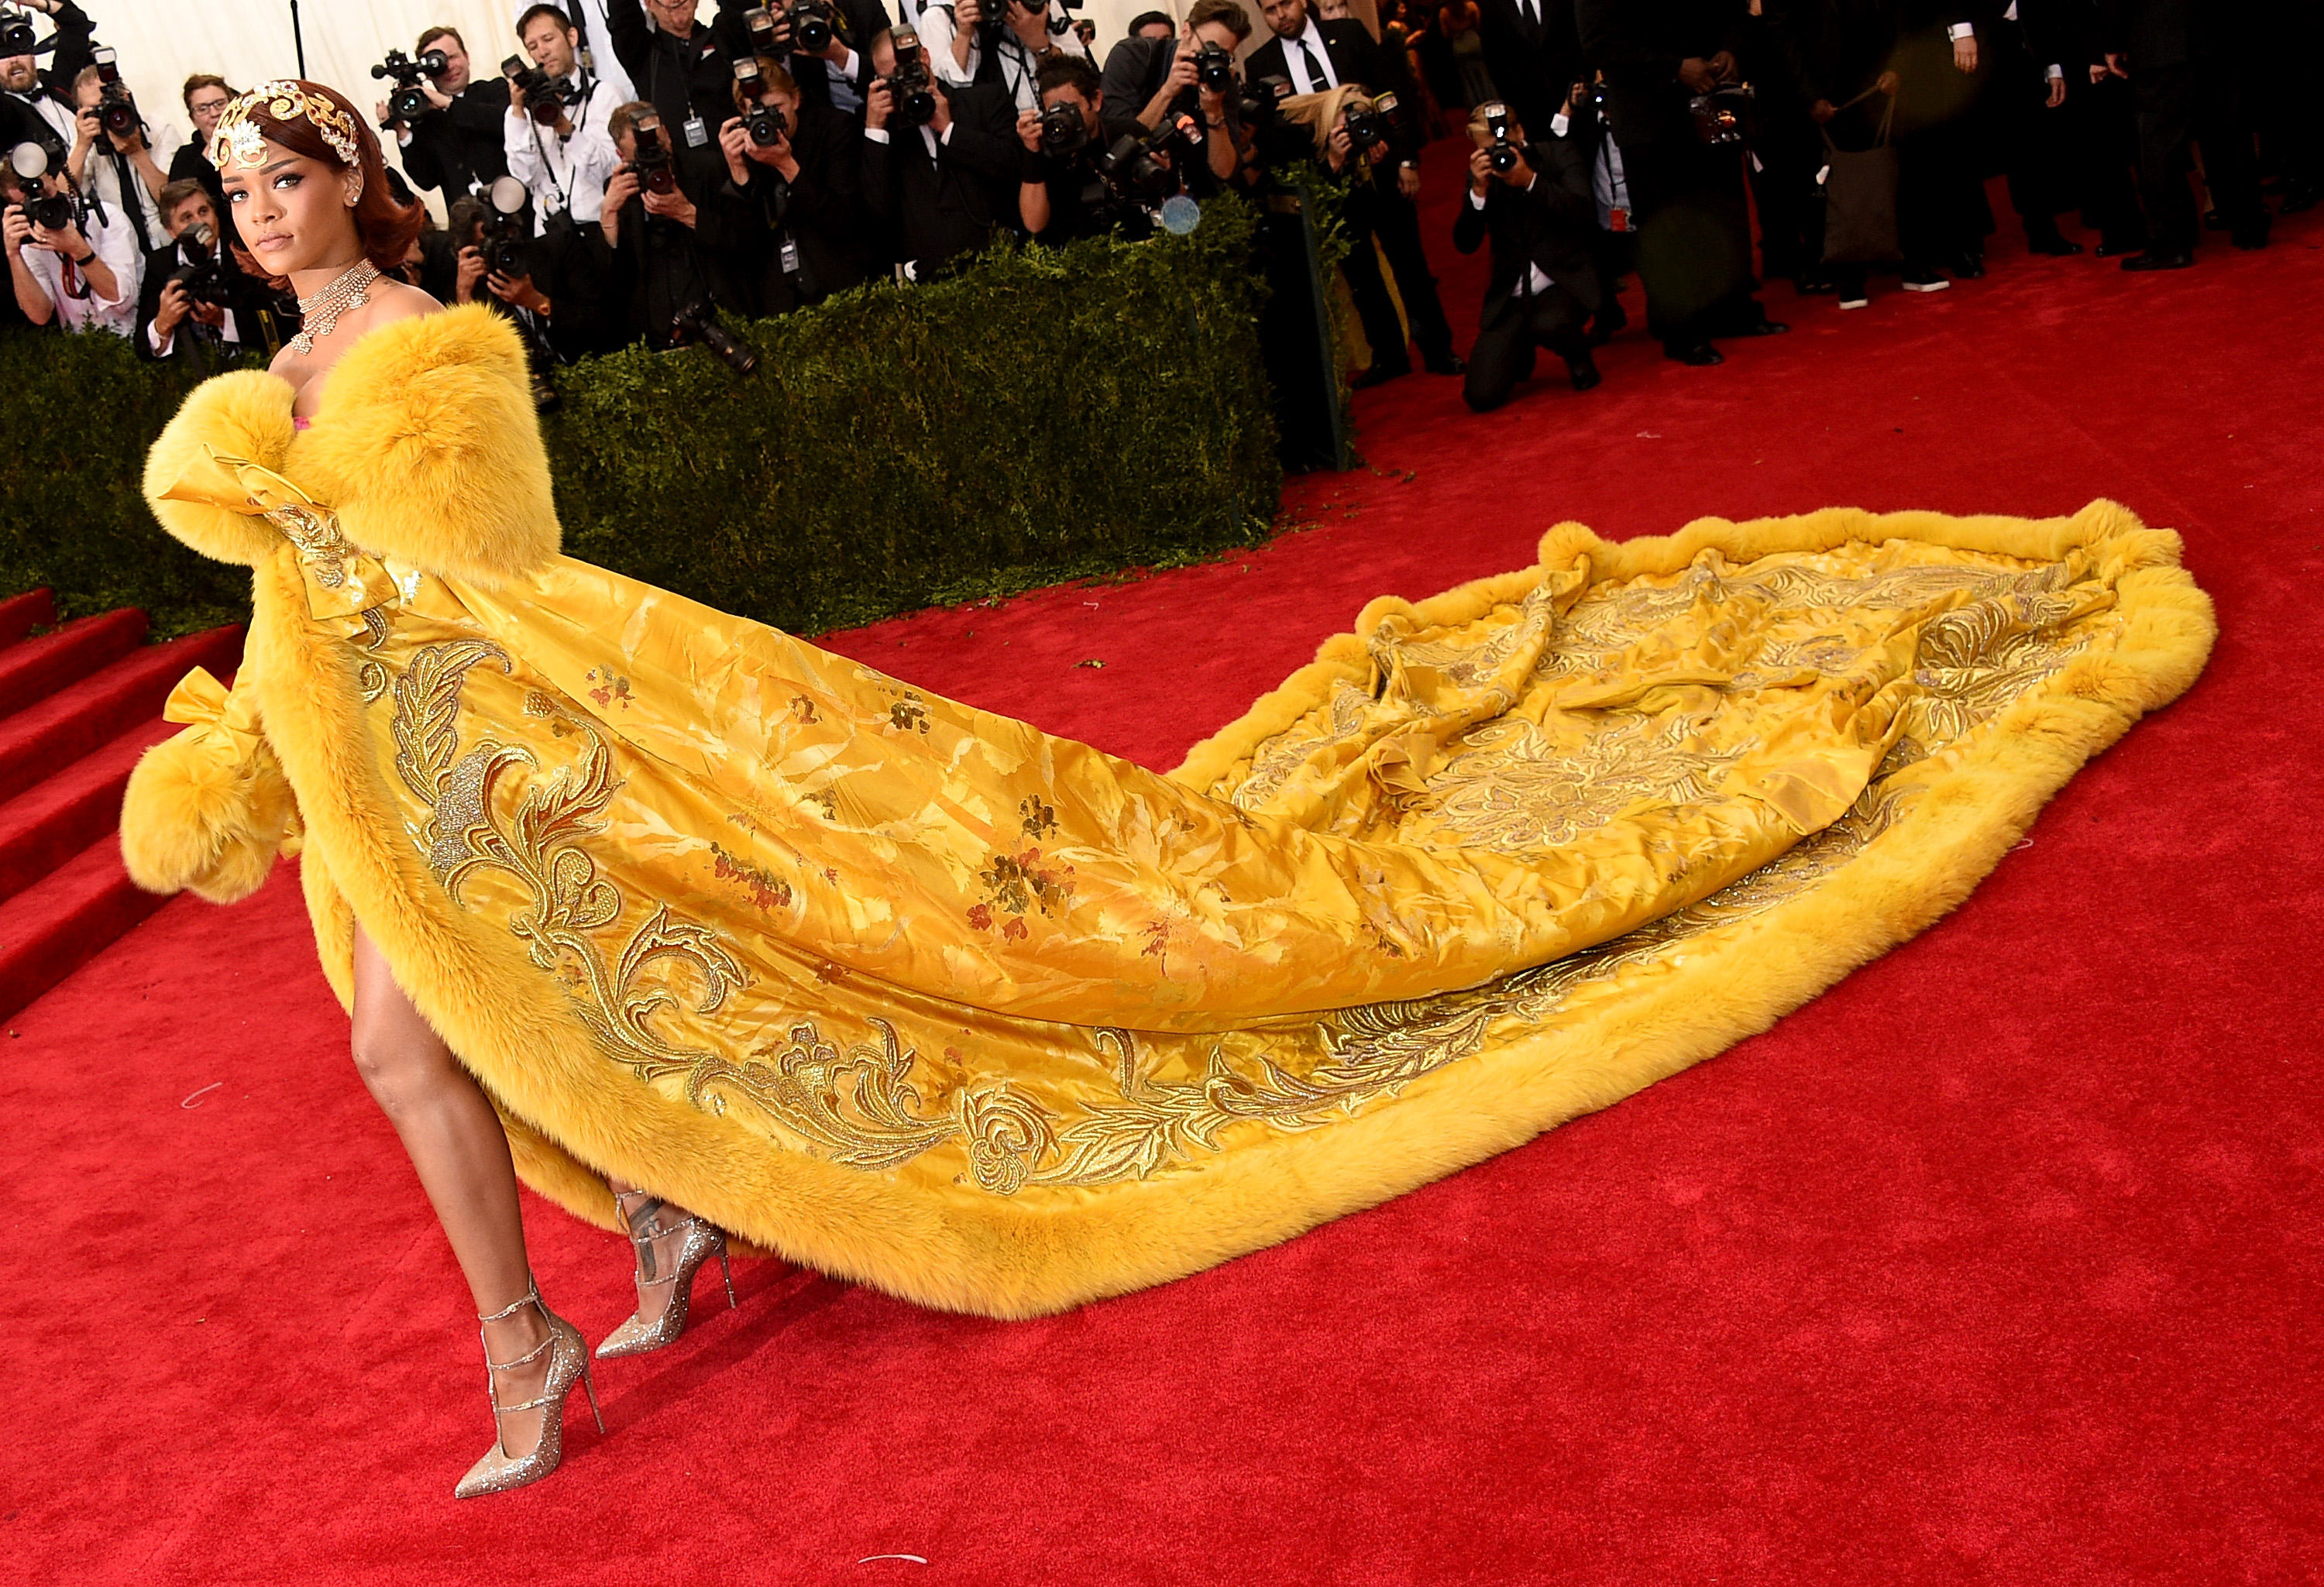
531	1297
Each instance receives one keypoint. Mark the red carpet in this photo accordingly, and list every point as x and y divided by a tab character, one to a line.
1997	1264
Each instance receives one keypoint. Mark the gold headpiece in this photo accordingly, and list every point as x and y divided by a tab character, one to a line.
243	141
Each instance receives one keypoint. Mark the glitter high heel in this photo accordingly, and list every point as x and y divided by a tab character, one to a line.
702	1241
568	1362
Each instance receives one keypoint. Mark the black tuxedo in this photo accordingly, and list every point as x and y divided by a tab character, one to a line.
943	206
679	77
2184	86
655	268
1549	227
820	216
462	150
1356	56
191	346
860	22
1534	59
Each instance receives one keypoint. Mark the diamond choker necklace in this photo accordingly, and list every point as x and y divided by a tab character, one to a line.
318	314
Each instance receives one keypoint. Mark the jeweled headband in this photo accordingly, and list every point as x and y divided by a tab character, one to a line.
243	141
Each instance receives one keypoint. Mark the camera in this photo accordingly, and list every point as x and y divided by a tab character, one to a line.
507	244
116	112
409	101
759	24
698	322
17	35
1131	170
1501	153
545	99
202	268
915	100
1064	131
1214	67
1719	115
651	162
813	27
55	211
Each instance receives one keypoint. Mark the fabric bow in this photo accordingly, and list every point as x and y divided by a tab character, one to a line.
342	581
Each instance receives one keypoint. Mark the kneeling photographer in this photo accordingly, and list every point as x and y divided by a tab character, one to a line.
798	167
198	307
1533	201
671	241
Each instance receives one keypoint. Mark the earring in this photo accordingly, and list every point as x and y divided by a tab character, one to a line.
355	190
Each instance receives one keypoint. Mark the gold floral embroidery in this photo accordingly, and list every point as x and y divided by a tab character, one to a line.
1512	788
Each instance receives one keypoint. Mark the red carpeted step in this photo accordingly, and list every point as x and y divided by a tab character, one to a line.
20	614
37	667
47	737
54	819
50	929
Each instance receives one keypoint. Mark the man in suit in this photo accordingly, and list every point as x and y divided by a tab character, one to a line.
665	252
1539	216
207	95
836	75
246	317
1695	238
1148	81
456	146
1315	55
945	184
2182	83
36	104
1534	54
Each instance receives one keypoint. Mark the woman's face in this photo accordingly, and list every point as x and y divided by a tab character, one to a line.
292	211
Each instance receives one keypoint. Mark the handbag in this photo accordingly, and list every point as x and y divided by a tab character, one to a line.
1860	198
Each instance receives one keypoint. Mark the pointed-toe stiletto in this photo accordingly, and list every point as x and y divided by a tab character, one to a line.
701	1243
568	1363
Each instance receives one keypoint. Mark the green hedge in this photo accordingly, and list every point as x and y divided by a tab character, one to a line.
1046	414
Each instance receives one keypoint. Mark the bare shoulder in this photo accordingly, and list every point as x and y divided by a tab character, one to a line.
392	300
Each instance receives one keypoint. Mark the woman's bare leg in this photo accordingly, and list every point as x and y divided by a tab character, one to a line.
456	1143
655	1256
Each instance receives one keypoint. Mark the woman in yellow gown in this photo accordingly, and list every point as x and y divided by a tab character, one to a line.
928	999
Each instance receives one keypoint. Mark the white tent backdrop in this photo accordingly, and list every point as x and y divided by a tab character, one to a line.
162	42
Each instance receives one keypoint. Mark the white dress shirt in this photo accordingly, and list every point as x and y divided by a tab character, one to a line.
1018	66
566	174
101	180
1304	81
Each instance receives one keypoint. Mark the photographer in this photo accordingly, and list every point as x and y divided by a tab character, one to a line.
1148	81
824	44
939	165
1533	201
458	144
805	183
196	305
1052	201
36	104
121	169
681	69
565	161
206	98
69	264
670	242
1005	44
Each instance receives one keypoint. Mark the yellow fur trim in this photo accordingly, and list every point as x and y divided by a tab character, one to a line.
245	414
427	444
519	1035
197	819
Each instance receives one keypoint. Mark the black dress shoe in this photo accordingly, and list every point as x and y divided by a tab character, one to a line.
2110	249
1379	374
1608	322
2155	260
1451	363
1764	326
1702	355
2251	235
1584	371
2054	245
1970	267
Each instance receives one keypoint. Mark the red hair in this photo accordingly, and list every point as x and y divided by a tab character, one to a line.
385	227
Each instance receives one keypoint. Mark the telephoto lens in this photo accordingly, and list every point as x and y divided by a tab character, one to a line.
811	27
698	322
915	101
